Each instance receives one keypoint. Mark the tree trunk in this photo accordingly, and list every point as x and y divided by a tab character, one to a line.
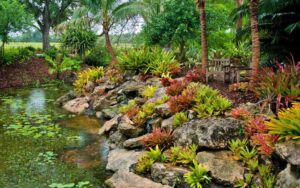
108	43
46	41
204	58
239	21
182	52
255	39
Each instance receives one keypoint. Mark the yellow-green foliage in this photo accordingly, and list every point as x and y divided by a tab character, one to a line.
87	75
180	155
125	108
162	100
287	126
149	91
179	119
148	108
197	175
209	102
144	164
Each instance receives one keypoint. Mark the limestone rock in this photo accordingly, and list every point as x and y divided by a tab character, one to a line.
124	179
108	125
78	105
110	112
65	98
89	87
213	133
127	128
117	138
121	159
289	151
134	142
168	123
168	174
223	168
288	178
162	110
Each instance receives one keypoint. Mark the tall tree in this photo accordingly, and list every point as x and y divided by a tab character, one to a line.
239	21
48	14
253	5
13	18
204	48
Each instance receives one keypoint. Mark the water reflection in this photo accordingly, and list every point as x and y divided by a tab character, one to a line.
36	101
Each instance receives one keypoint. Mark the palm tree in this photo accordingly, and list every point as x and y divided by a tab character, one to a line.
253	5
239	21
146	8
204	58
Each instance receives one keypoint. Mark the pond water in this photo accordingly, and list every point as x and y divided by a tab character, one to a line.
41	145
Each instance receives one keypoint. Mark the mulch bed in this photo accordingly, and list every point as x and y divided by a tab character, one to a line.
235	96
22	74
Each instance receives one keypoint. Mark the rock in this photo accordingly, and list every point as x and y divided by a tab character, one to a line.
289	151
162	110
124	179
108	125
168	123
127	128
191	114
223	168
154	122
103	88
288	178
111	112
159	93
134	142
213	133
65	98
117	138
132	87
99	115
78	105
89	87
100	103
168	174
121	159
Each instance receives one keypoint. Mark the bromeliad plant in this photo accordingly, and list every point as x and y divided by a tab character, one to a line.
158	137
89	75
197	176
179	119
287	126
149	91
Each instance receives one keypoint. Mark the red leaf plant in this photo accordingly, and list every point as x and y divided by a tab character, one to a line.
166	81
194	75
159	137
176	87
181	102
240	113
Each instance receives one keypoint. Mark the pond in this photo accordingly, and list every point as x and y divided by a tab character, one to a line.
41	145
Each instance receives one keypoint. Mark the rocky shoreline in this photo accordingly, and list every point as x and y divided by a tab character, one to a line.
212	135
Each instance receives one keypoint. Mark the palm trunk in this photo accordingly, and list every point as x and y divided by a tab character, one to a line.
204	58
255	39
108	43
239	21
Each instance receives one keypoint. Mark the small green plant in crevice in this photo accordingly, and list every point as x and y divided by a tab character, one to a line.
46	158
149	91
180	155
253	164
156	154
248	154
123	109
179	119
197	176
88	75
81	184
144	164
236	146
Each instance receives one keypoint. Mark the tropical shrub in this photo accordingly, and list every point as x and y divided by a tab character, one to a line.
179	119
208	102
13	55
158	137
281	86
78	39
148	60
60	64
287	126
194	75
113	75
97	56
197	176
91	74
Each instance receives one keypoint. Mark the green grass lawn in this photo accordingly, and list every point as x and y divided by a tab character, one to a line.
26	44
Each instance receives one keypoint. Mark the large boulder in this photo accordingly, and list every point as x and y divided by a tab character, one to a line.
213	133
116	138
65	98
78	105
289	151
108	125
121	159
132	88
128	128
125	179
168	174
288	178
134	142
224	169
